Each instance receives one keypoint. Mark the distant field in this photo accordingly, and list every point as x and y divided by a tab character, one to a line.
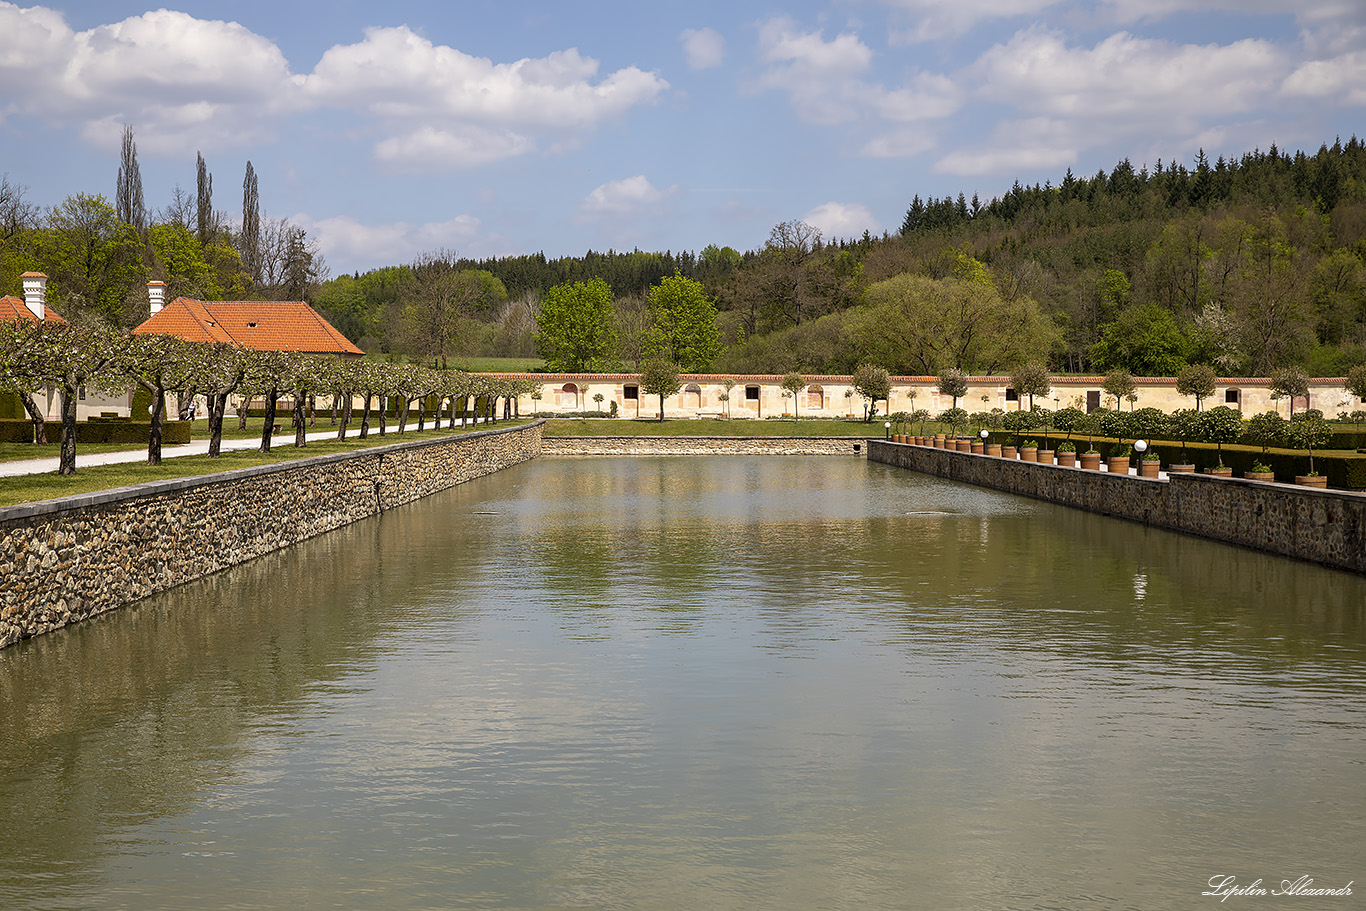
606	427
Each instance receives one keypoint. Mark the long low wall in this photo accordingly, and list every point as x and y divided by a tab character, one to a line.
701	446
1322	526
65	560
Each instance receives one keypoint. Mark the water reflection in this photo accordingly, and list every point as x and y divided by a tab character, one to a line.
687	682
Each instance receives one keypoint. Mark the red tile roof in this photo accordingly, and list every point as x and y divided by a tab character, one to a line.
260	325
13	308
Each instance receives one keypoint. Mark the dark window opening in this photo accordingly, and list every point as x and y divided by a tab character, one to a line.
630	392
1092	400
1232	397
752	393
1012	395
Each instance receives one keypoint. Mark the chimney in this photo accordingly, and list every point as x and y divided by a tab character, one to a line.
156	295
35	293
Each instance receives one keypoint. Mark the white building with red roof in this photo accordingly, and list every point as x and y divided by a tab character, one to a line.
259	325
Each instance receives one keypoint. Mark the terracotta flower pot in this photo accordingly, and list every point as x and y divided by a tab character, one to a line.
1183	468
1090	461
963	445
1317	481
1118	466
1260	475
1029	454
994	449
1008	452
978	449
1224	472
1067	459
938	442
1149	468
1045	456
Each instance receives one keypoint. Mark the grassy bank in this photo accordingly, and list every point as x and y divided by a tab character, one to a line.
91	478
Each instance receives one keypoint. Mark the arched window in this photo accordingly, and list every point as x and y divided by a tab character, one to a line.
691	397
569	396
815	397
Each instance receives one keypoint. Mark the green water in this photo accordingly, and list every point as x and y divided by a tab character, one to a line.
699	683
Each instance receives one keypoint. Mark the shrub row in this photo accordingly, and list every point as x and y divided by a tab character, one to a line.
134	432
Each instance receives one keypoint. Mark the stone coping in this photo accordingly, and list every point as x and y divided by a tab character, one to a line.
171	485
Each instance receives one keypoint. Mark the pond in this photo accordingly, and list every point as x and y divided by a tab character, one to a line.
730	682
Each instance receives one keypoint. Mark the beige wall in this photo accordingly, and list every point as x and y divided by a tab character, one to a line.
826	396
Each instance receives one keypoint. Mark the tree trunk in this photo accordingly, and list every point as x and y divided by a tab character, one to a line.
345	415
334	410
421	413
218	404
383	415
37	417
312	411
301	399
403	415
365	416
269	426
67	462
158	418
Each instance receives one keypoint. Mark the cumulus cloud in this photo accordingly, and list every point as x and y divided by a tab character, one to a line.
428	148
703	47
624	197
839	219
932	20
344	239
826	80
1343	77
177	77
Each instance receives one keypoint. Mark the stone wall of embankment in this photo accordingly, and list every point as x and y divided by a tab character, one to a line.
1322	526
65	560
702	446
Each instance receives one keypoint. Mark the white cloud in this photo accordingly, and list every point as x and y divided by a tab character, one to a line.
631	195
825	80
1023	145
936	19
344	239
1342	77
704	48
178	79
838	219
428	148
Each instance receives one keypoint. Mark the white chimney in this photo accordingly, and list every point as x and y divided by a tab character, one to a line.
156	295
35	293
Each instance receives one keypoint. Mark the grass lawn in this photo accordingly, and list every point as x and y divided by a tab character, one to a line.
608	427
87	479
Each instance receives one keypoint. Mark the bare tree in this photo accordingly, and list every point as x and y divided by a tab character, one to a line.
128	195
16	215
179	211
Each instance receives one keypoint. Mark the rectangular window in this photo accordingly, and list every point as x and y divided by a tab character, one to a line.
1230	396
752	393
1012	395
630	393
1092	400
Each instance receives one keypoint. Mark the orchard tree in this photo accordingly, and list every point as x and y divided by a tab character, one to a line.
660	377
1119	384
221	369
575	327
159	364
70	357
953	383
20	343
1289	382
1031	379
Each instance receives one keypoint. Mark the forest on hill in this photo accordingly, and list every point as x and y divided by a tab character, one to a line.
1246	265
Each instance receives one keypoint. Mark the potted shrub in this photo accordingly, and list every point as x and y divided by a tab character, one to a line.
1183	424
1219	426
1151	466
1307	430
1067	453
1029	452
1118	463
1260	471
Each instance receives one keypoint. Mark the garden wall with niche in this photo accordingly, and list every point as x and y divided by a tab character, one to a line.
1322	526
66	560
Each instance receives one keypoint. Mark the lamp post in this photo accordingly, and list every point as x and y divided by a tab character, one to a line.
887	430
1140	447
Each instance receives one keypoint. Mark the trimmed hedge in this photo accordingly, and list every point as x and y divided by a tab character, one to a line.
133	432
1345	470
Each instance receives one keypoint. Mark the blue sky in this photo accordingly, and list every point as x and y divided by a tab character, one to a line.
511	127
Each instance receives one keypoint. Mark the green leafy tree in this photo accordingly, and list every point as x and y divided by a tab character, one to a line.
683	322
1032	379
576	333
69	357
1308	430
178	260
660	377
1143	340
1289	382
93	260
1220	425
1120	385
1265	430
793	384
1069	420
956	418
953	383
1356	382
1198	380
159	364
874	384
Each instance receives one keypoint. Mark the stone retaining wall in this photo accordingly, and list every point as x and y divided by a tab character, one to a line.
65	560
702	446
1322	526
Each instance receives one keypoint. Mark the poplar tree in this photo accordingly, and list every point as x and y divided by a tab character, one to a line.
128	193
204	220
251	225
